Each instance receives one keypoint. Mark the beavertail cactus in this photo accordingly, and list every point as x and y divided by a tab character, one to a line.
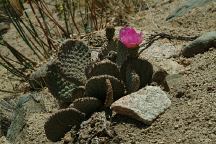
62	88
97	87
73	57
136	73
104	67
61	122
68	72
87	105
90	86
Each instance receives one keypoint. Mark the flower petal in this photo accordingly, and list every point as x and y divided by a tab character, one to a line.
129	37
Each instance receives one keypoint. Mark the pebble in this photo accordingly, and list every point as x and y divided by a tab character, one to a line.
144	105
200	45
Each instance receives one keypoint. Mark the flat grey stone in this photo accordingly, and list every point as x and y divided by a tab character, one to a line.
144	105
200	45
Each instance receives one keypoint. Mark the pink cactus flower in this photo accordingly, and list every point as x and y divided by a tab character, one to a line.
130	38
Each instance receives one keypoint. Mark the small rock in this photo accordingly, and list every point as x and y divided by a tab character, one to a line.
144	105
200	45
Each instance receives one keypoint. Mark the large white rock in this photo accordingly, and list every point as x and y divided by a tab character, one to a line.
144	105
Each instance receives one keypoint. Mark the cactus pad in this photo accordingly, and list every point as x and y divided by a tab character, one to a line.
132	80
96	87
109	94
87	105
73	57
122	54
104	67
61	122
138	66
61	88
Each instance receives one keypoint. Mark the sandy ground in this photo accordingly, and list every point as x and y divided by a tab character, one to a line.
191	119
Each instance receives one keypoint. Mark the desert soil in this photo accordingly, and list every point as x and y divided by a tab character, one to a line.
191	119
